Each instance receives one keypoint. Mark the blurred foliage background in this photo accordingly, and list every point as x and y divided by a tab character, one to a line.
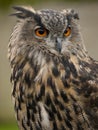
88	11
6	4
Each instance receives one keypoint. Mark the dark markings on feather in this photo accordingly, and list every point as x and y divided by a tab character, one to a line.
35	68
37	127
18	116
68	114
33	103
66	85
55	71
14	71
59	116
14	89
34	109
84	78
21	89
67	75
21	98
21	65
17	71
28	113
55	126
83	63
39	110
53	108
32	106
76	109
51	83
29	95
68	124
75	82
41	93
66	64
47	58
21	94
33	117
18	74
79	126
57	102
64	96
39	123
31	127
73	98
28	122
87	90
16	109
73	70
87	93
27	79
56	60
62	127
73	53
14	76
94	100
19	103
48	100
50	113
23	125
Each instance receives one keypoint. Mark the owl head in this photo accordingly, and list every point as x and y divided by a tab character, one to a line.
55	29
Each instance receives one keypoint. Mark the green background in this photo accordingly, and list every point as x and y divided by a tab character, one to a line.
5	4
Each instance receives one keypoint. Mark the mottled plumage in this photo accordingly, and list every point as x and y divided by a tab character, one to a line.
55	81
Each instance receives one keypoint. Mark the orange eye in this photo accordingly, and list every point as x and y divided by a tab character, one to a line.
67	32
41	32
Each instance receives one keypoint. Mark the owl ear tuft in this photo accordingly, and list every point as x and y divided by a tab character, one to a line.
23	12
71	14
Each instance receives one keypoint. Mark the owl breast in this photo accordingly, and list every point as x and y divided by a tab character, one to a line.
42	92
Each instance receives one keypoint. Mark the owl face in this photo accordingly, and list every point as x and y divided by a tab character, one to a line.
56	29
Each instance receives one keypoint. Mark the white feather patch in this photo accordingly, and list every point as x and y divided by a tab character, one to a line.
44	115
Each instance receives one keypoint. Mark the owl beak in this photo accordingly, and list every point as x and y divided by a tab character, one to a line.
58	44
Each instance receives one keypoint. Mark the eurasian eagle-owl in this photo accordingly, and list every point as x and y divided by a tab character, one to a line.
55	81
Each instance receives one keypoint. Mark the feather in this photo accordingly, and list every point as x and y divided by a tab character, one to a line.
23	12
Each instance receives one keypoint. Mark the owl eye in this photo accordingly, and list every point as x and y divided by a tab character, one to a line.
41	32
67	32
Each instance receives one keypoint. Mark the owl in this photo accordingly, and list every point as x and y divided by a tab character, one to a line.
55	81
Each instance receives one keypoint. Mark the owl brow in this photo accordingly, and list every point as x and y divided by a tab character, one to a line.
38	20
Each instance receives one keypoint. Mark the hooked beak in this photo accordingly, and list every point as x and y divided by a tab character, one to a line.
58	44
